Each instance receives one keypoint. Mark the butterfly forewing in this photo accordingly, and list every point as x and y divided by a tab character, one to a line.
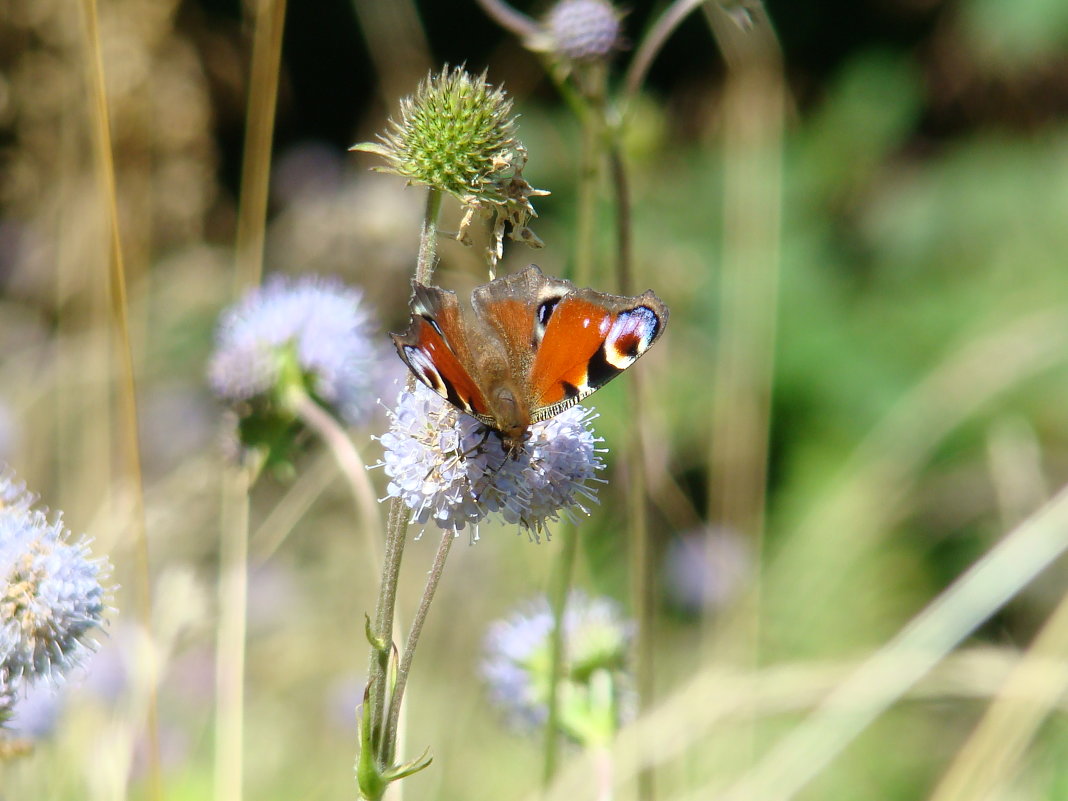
591	338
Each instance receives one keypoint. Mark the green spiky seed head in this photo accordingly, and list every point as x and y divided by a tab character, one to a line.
456	134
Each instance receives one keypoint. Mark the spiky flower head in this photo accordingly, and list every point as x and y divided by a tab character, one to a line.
51	595
13	494
583	30
457	134
450	470
596	695
307	334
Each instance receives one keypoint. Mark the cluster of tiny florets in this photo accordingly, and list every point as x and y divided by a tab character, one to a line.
583	30
517	661
318	326
51	596
450	470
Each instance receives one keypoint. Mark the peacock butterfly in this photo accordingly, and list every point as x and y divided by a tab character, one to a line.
534	346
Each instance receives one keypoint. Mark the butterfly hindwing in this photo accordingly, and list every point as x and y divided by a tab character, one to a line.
436	350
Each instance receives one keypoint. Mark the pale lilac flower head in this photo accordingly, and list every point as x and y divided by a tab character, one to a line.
583	30
51	596
518	661
318	323
13	494
450	470
705	569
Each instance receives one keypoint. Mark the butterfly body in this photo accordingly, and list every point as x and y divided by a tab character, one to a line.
532	346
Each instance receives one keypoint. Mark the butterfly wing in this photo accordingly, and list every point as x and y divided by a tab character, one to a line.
436	350
516	308
588	339
542	345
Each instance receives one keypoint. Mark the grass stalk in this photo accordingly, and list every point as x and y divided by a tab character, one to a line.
916	663
871	490
886	676
642	563
993	752
641	558
292	506
130	448
268	24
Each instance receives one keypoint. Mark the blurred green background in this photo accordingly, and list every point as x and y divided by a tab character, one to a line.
917	413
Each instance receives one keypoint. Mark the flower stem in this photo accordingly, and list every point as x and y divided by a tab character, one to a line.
621	189
349	462
396	527
653	42
507	17
428	238
230	649
413	638
593	125
561	587
603	769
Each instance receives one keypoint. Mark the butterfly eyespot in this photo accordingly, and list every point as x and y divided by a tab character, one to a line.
545	310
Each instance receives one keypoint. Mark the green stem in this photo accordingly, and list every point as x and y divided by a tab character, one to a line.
428	238
565	568
589	177
405	665
230	652
589	183
624	236
653	42
349	462
396	528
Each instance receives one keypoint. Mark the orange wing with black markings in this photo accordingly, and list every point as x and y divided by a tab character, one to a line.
589	339
436	350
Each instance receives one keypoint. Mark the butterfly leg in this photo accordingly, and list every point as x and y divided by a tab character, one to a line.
477	447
